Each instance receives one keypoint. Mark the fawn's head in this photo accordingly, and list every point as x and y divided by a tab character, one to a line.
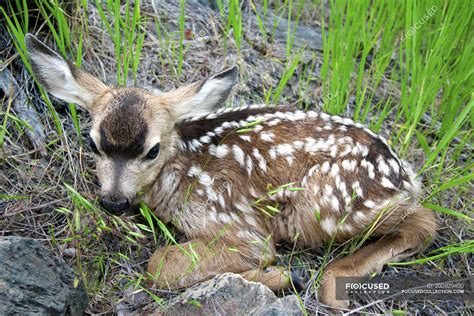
132	129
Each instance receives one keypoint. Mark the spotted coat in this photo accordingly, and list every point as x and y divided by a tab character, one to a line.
260	170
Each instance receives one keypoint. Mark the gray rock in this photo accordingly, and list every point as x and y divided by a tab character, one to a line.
34	282
230	294
288	305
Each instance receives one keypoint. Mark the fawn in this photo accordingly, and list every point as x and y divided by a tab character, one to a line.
208	171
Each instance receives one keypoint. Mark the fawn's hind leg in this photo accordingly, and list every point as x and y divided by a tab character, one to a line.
183	265
275	277
412	233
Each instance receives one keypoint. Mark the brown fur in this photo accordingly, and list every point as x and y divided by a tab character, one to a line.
237	182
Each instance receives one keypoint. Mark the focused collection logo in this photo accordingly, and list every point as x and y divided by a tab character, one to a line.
411	287
367	288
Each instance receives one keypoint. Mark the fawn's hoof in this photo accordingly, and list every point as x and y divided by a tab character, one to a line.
299	283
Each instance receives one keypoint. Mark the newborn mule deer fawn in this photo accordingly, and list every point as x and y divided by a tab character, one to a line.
236	181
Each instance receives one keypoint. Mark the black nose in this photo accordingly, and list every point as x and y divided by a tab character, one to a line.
115	205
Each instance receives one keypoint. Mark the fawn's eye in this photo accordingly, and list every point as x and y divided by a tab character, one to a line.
153	153
93	146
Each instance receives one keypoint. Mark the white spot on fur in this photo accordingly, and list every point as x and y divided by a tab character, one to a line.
249	165
221	200
244	207
247	138
325	167
347	121
315	189
253	192
272	153
224	218
267	136
257	128
219	130
331	140
334	202
370	168
194	144
360	149
211	194
274	122
341	185
312	114
312	146
262	163
234	217
349	164
194	171
250	220
345	140
205	179
312	170
219	151
324	116
284	149
369	203
205	139
300	115
238	155
226	125
298	144
358	190
394	164
336	119
345	228
382	166
360	216
347	149
407	184
213	216
243	234
334	170
328	225
386	183
329	198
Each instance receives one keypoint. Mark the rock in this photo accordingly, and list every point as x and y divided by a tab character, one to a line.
288	305
70	252
33	281
230	294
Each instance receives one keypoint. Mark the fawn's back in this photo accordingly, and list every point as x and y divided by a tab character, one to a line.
258	171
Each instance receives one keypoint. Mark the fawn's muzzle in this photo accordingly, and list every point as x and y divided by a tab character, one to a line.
115	205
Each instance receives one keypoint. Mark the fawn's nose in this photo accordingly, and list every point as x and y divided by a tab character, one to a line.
115	205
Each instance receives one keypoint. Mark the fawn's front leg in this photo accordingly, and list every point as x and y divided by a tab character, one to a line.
183	265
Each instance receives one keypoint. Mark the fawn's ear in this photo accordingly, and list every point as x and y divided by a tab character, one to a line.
60	77
201	97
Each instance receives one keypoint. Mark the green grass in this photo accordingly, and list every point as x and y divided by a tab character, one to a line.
127	34
407	64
